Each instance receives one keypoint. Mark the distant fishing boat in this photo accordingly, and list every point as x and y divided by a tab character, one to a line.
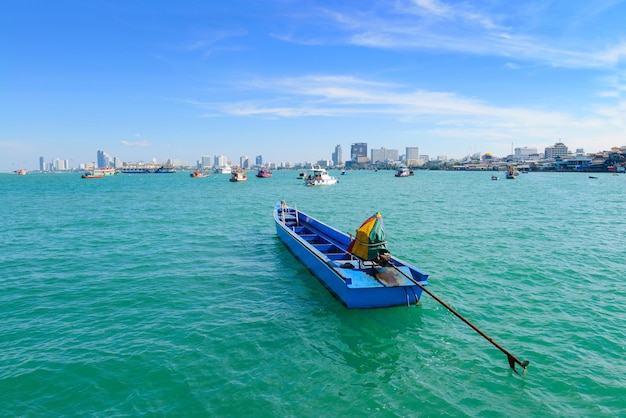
403	171
199	174
238	175
511	173
20	172
98	173
359	271
148	169
263	173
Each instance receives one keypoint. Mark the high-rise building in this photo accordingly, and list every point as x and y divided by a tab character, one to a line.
259	160
244	162
337	156
412	155
58	164
378	155
42	164
220	161
525	153
381	155
358	151
104	160
557	150
206	161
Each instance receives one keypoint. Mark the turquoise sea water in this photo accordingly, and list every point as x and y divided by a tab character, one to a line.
171	296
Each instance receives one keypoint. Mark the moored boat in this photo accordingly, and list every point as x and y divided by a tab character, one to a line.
263	173
223	169
238	175
148	169
360	272
403	171
98	173
318	176
511	173
199	174
91	175
20	172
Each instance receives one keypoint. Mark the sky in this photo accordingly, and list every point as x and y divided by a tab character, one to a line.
290	80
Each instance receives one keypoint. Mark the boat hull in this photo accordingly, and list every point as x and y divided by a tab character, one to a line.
148	170
324	182
323	250
98	173
263	174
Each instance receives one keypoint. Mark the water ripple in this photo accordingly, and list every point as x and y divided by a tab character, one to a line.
157	295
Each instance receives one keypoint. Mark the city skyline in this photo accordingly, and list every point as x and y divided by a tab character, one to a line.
411	154
290	80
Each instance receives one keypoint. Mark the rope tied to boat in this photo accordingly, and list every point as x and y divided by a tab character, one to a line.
373	244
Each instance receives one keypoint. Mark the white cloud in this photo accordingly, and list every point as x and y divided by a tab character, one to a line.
442	114
470	29
208	40
142	143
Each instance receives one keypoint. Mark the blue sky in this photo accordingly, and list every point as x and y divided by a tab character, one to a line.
291	79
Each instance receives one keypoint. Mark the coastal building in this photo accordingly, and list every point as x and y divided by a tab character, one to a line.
104	160
42	164
337	156
59	165
220	161
206	161
259	161
358	152
525	154
557	150
244	162
382	155
412	156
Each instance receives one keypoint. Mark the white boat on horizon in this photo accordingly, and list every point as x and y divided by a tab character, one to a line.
403	171
318	176
223	169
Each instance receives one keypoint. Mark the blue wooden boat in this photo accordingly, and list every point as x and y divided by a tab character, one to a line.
356	282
